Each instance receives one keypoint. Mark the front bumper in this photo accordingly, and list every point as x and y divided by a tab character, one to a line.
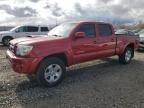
23	65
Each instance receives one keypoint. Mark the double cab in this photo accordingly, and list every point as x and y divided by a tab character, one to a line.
68	44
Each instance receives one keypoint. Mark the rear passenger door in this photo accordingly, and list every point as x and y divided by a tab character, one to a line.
106	40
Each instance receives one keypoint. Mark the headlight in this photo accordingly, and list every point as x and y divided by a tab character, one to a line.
23	50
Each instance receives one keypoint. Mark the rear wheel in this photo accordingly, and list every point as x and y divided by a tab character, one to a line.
51	72
6	41
127	55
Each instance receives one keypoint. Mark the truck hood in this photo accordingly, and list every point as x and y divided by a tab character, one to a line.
33	39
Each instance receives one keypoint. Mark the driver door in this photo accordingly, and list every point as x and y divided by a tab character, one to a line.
20	32
84	49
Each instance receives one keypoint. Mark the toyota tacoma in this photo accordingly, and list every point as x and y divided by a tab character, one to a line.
68	44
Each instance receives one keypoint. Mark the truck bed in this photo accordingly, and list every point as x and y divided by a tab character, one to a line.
124	40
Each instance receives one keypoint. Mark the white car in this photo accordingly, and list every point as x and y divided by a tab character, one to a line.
22	31
141	36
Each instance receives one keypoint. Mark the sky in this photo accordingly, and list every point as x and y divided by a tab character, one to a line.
52	12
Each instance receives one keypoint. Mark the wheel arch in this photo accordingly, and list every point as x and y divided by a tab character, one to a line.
7	37
131	45
61	56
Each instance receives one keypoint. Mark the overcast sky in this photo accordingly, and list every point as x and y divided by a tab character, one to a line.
15	12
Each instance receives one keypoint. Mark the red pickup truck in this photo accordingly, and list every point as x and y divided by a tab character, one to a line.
68	44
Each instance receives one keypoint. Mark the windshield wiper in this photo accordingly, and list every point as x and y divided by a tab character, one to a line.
56	35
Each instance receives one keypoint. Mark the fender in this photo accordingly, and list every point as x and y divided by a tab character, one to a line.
129	44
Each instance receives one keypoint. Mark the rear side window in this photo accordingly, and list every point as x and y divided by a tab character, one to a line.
105	30
32	29
89	30
44	29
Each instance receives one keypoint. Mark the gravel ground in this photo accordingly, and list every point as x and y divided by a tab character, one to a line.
98	84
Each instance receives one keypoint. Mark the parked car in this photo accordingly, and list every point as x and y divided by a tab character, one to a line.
141	36
136	31
66	45
22	31
124	32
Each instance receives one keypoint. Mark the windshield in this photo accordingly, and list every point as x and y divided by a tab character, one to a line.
62	30
13	29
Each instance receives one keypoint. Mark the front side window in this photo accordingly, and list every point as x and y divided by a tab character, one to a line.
105	30
22	29
88	29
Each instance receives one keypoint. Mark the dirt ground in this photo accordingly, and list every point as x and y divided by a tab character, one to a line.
98	84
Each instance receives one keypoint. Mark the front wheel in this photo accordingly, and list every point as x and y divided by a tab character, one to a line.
51	72
126	56
6	41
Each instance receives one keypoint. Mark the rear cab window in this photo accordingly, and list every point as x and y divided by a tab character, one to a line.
88	29
44	29
105	30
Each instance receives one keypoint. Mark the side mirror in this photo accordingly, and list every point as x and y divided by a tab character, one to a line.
80	34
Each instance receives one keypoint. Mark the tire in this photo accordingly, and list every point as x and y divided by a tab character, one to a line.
6	41
51	72
126	56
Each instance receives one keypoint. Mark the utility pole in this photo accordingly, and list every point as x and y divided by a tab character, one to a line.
56	22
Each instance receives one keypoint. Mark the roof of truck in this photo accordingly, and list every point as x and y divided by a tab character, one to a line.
88	22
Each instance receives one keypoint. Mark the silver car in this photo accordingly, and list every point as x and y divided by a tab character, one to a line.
141	35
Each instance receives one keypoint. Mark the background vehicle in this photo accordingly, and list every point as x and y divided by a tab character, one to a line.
124	32
141	36
22	31
66	45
